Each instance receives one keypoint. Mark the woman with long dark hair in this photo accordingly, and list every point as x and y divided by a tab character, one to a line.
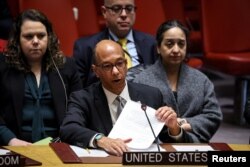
35	81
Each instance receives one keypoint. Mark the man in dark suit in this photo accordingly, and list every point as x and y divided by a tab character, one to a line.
91	111
120	17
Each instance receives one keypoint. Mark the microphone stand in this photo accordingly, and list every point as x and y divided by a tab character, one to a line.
144	108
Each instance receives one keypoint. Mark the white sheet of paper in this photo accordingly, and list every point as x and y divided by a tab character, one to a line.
4	151
81	152
193	148
133	123
152	148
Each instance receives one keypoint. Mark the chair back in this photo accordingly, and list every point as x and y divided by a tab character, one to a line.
87	17
60	13
3	44
149	15
226	25
176	9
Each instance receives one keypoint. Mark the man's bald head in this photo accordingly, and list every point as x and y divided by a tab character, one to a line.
106	47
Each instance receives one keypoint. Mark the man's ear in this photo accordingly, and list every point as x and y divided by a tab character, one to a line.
104	11
95	70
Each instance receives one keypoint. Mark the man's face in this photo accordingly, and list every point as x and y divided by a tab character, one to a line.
119	15
111	66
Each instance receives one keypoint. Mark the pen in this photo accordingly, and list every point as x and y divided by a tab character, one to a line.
56	140
87	150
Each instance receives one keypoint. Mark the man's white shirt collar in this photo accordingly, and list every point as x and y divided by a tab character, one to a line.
111	96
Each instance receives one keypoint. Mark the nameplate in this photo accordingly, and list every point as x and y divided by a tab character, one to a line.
11	160
164	158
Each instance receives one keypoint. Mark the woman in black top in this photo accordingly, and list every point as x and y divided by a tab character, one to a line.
35	81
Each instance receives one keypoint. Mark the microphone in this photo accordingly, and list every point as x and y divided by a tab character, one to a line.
144	108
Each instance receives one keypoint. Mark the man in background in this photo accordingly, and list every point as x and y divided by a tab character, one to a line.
120	17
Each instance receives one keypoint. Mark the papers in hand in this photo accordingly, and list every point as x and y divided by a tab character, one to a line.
133	123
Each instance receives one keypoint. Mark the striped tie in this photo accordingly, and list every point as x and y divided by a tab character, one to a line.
121	103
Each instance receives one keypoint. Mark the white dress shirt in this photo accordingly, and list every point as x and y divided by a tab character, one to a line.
112	103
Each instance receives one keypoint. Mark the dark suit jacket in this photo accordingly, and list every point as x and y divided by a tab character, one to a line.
88	112
12	83
83	52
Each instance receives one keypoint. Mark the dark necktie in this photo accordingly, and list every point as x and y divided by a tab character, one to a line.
121	103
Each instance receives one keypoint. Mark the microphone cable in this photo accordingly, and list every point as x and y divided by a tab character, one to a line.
144	108
64	87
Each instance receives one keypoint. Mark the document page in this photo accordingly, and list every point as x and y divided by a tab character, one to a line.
81	152
4	151
133	123
152	148
193	147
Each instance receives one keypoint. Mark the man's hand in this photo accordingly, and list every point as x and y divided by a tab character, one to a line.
113	146
169	117
18	142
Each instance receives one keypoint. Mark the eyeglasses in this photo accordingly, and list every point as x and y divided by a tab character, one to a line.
120	64
117	9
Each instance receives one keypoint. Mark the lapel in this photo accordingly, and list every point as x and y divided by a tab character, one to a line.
17	81
102	108
161	79
139	44
183	83
58	95
103	35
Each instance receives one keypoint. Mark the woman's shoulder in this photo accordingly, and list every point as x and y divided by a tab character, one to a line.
68	67
133	72
69	62
195	76
150	72
194	72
